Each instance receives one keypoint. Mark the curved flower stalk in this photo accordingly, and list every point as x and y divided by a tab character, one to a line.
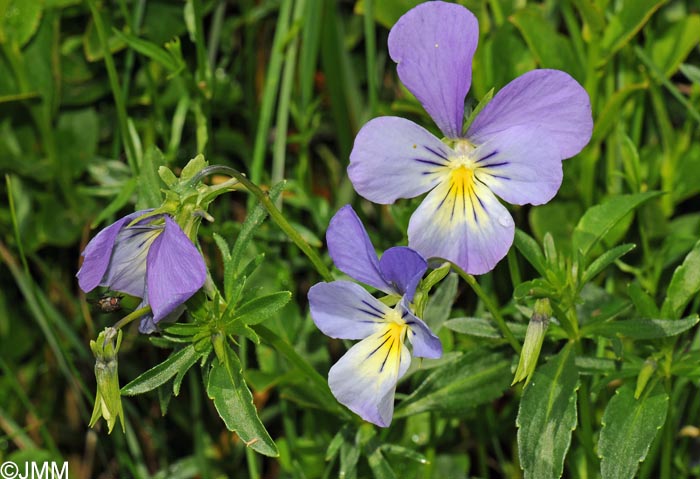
513	149
151	259
365	378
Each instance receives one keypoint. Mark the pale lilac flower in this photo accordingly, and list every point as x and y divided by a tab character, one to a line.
513	149
152	259
365	378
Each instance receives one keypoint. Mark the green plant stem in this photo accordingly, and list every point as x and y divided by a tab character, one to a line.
276	216
119	101
132	316
279	148
15	223
371	55
272	79
491	306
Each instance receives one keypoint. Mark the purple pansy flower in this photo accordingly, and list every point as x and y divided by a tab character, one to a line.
365	378
513	149
152	259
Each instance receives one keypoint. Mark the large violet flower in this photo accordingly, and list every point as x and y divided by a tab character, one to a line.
365	378
152	259
513	149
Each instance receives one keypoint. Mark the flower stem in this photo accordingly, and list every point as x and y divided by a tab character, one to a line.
131	316
275	214
493	309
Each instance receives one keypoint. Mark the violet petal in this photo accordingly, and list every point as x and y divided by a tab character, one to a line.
425	343
351	249
433	45
98	252
175	270
549	102
395	158
403	268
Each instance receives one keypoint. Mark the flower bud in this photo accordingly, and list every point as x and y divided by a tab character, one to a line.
108	404
533	341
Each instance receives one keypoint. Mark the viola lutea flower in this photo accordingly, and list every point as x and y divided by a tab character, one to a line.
152	259
365	378
513	149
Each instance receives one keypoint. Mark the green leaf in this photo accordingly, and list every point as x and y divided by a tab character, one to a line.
259	309
252	222
160	374
605	260
641	328
629	427
610	115
645	305
477	109
626	22
440	304
547	416
234	403
671	49
149	182
387	13
599	220
474	378
532	252
19	21
551	49
685	284
482	328
151	50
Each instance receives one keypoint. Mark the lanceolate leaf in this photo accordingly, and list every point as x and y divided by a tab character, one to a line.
684	285
641	328
547	416
234	403
259	309
629	427
474	378
599	220
160	374
604	260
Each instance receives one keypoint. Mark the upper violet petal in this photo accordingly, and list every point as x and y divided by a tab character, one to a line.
175	270
549	102
403	268
98	252
464	224
105	260
395	158
351	249
345	310
433	45
365	378
520	166
425	343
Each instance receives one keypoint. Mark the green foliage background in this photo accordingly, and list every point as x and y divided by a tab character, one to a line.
94	96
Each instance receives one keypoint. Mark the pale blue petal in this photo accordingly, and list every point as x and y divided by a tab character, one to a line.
463	224
520	165
549	102
365	378
345	310
395	158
